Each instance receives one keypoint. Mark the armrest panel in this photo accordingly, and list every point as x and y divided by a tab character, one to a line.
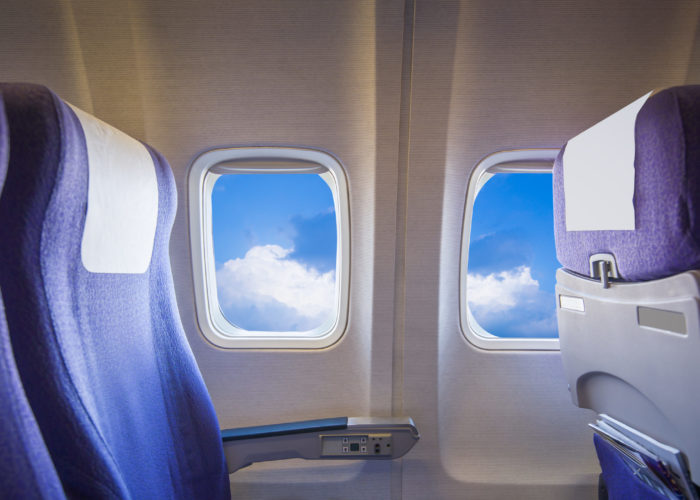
342	438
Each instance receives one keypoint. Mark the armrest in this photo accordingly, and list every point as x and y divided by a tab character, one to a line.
340	438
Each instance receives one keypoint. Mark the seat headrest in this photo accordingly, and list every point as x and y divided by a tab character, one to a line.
122	182
629	187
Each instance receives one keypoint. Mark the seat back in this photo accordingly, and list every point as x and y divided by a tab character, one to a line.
26	470
91	308
630	346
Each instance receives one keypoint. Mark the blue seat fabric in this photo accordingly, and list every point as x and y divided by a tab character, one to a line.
103	357
26	470
620	481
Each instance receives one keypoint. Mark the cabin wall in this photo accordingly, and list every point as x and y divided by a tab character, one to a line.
409	96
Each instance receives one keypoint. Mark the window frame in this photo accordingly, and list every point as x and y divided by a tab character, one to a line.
530	161
203	173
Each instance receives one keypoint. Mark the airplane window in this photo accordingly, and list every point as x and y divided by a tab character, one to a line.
512	259
275	251
269	230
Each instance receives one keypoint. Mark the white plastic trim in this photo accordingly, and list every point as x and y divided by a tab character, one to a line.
514	161
598	171
122	207
203	172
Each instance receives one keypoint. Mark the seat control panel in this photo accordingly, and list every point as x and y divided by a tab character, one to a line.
353	445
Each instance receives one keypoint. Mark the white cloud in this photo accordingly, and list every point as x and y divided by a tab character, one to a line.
511	302
498	292
266	290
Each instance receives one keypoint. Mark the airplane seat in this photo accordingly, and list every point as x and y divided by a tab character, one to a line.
85	221
627	233
26	470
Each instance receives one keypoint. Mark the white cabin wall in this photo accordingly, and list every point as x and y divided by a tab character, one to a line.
39	43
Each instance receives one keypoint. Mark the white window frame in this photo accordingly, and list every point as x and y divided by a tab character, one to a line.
531	161
203	173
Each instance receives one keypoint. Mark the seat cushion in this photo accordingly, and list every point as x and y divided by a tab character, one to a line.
666	238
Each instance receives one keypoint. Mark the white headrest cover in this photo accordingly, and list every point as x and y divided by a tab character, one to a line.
122	208
598	170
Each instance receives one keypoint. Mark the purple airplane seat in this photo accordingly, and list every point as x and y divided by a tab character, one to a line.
26	470
91	308
627	232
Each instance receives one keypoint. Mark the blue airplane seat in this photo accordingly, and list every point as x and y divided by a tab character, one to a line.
26	470
627	232
85	221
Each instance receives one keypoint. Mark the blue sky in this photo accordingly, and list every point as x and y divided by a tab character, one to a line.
275	250
512	258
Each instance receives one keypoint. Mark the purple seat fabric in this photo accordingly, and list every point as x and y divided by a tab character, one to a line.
26	470
103	357
666	240
620	480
